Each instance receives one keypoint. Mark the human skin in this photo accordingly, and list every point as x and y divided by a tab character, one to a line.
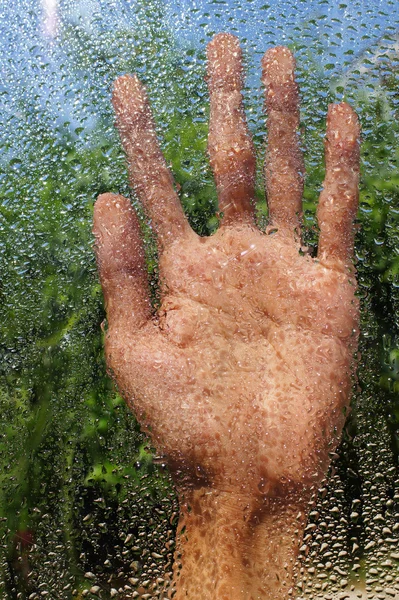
243	377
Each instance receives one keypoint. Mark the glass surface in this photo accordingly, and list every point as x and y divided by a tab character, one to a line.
86	508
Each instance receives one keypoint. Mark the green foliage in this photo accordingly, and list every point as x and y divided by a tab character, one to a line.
71	453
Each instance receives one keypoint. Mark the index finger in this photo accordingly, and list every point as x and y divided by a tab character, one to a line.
149	175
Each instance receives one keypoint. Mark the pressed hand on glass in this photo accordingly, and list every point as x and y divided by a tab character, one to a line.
243	376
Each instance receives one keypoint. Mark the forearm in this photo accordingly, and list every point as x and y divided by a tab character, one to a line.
232	549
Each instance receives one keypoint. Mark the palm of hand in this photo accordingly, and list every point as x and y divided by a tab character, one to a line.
243	378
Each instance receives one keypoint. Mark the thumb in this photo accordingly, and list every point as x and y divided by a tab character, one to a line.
121	263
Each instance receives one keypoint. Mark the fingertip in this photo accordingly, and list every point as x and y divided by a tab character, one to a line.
341	109
343	124
279	53
278	77
101	207
342	145
224	62
116	229
278	64
107	200
223	41
110	211
127	84
129	97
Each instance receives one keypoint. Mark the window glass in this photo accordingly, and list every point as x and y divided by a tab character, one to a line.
87	509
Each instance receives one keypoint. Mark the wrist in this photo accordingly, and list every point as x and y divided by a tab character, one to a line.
233	548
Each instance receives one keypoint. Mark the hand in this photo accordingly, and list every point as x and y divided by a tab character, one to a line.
243	377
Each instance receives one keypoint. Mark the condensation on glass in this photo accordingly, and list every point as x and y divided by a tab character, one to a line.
86	508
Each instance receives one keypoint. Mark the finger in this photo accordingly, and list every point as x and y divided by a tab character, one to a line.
284	167
149	175
230	145
338	201
121	262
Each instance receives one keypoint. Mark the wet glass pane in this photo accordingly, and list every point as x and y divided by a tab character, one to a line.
87	508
